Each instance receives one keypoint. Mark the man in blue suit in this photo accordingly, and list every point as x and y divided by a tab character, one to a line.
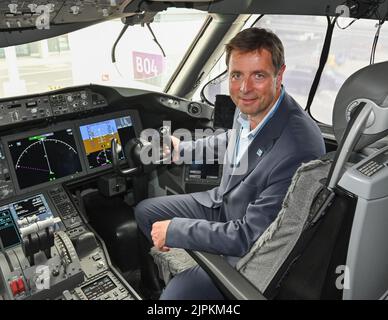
271	137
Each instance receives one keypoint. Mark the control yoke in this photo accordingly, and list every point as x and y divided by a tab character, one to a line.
141	154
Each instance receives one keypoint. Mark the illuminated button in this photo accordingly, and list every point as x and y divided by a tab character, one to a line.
14	287
20	285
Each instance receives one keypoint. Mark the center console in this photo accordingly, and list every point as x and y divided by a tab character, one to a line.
48	252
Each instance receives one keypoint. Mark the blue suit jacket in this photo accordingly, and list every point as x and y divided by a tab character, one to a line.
250	201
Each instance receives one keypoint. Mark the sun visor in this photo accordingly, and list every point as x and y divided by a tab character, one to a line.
369	85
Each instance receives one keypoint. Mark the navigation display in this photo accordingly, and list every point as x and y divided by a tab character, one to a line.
44	158
97	139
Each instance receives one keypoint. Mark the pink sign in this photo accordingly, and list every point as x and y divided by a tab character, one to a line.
146	65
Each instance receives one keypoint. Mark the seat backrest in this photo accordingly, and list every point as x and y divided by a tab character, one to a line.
264	265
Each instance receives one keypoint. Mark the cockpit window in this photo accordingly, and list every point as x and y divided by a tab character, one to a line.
84	56
303	38
350	51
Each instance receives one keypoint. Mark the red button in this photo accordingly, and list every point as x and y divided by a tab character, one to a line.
21	286
14	287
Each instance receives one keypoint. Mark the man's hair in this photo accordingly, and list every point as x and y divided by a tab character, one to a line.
256	39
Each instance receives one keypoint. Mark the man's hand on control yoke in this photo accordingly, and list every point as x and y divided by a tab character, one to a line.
158	234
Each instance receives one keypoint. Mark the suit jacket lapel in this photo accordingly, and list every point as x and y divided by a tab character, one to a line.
260	146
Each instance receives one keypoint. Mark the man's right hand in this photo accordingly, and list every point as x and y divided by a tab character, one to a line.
175	149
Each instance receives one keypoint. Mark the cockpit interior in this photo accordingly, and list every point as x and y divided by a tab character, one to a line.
71	132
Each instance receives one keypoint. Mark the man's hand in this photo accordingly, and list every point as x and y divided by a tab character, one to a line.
158	234
175	149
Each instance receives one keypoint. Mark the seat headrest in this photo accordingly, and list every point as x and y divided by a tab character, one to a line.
368	85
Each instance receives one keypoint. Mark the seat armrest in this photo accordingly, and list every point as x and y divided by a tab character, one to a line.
228	280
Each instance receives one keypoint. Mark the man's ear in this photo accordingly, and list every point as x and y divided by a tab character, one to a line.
279	77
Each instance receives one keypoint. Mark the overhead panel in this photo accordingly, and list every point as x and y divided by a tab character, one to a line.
41	13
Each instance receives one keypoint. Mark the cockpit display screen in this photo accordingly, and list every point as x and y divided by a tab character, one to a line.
13	213
31	206
45	157
8	233
97	139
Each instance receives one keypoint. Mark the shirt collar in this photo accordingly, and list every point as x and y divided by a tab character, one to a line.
245	125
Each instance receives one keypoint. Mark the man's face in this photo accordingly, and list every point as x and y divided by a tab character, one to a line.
253	85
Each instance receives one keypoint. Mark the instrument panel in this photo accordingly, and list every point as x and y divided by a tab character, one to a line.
48	140
23	109
25	14
65	151
42	256
47	251
72	141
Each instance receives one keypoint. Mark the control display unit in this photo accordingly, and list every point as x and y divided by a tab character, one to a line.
8	233
45	157
97	137
35	205
14	215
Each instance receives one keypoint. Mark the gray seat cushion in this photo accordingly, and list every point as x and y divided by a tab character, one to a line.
171	262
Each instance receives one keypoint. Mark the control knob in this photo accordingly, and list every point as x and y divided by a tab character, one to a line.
194	108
